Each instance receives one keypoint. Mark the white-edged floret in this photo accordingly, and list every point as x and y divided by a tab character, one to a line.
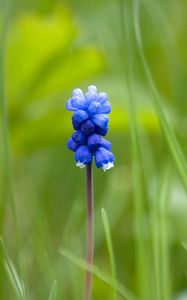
108	166
80	164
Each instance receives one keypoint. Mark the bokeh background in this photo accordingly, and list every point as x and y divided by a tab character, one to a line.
49	47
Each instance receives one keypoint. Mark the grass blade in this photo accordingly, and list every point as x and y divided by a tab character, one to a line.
142	279
164	229
12	273
109	247
123	291
53	293
173	144
160	235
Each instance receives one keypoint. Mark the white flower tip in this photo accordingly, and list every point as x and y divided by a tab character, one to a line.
92	88
77	92
80	164
108	166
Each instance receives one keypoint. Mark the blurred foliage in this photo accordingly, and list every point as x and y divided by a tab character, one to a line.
42	56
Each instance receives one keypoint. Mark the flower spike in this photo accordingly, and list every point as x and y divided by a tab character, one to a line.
90	121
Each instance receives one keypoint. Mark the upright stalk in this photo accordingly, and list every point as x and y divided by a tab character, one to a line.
90	230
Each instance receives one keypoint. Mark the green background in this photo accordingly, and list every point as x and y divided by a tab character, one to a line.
49	48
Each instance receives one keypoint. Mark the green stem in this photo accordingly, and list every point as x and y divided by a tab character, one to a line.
90	230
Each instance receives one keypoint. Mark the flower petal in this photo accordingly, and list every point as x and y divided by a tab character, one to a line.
72	145
94	141
78	92
104	158
101	120
92	88
83	156
102	97
106	144
78	102
105	108
79	137
101	131
94	108
76	125
88	127
69	106
80	116
91	96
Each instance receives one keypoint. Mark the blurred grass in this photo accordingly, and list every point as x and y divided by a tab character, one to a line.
17	283
53	292
109	247
173	144
48	49
137	174
123	291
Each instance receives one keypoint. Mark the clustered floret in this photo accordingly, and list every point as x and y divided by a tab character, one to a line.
91	124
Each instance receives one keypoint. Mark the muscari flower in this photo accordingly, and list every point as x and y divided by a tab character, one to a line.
91	123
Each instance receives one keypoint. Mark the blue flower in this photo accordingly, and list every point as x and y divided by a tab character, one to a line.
94	142
106	144
92	106
101	131
101	120
83	156
76	125
80	116
72	145
79	137
104	159
88	127
91	123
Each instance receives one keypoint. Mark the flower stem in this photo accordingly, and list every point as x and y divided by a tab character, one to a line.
90	230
